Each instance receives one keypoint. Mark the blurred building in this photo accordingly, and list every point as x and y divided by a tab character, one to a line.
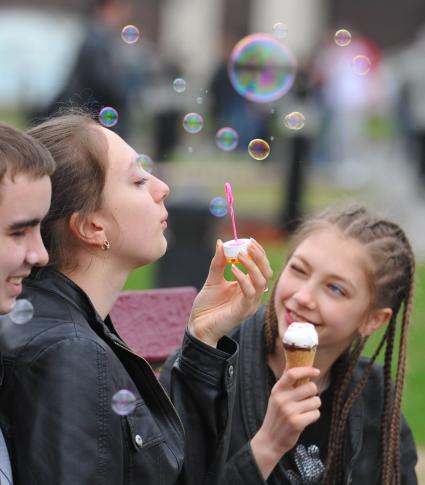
188	33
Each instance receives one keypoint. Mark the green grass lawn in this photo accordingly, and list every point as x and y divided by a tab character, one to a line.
414	398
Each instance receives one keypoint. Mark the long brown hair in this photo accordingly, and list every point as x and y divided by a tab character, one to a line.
391	279
79	149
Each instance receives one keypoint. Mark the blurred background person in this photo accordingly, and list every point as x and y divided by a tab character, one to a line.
99	76
411	73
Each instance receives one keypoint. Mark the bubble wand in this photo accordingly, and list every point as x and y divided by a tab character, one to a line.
229	197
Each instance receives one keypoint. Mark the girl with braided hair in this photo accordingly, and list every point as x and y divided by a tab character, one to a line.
349	273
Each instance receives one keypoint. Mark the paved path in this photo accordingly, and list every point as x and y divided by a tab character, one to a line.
388	173
397	190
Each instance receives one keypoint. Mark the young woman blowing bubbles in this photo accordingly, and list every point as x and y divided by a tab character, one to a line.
62	369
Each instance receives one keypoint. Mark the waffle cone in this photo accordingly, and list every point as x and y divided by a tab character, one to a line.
300	358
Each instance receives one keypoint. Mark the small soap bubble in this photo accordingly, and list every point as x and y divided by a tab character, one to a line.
219	207
144	162
294	120
130	34
227	139
361	65
199	100
190	149
261	68
22	312
179	85
280	30
108	117
272	138
193	123
258	149
123	402
342	37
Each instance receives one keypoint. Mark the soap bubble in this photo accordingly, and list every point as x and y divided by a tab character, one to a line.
258	149
342	37
123	402
219	207
22	312
280	30
179	85
227	139
193	123
361	65
294	120
130	34
108	117
199	100
261	68
144	162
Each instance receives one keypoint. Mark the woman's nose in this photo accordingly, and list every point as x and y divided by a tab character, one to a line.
305	296
161	189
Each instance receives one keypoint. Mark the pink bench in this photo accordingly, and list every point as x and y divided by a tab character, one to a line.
152	322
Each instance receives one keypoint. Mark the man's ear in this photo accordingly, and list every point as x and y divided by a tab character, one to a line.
87	229
375	320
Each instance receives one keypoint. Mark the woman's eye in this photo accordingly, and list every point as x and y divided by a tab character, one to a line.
141	181
336	289
297	269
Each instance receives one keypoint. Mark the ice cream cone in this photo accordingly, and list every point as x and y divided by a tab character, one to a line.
299	357
300	343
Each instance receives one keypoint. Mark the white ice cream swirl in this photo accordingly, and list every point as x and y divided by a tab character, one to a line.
301	334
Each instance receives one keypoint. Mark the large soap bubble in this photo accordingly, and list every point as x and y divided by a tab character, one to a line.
130	34
258	149
219	207
261	68
123	402
227	139
108	116
22	312
193	123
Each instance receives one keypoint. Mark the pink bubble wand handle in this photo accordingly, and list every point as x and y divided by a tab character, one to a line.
229	197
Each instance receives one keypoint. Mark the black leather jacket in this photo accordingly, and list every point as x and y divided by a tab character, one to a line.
362	444
58	374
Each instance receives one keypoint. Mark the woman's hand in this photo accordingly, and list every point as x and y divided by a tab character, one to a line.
222	304
289	411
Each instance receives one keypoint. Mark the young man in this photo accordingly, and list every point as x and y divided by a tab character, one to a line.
25	192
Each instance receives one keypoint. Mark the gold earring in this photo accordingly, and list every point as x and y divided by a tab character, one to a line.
106	245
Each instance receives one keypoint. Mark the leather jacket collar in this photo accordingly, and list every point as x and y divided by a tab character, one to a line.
57	282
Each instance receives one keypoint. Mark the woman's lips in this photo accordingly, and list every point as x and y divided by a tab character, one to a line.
291	317
14	286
